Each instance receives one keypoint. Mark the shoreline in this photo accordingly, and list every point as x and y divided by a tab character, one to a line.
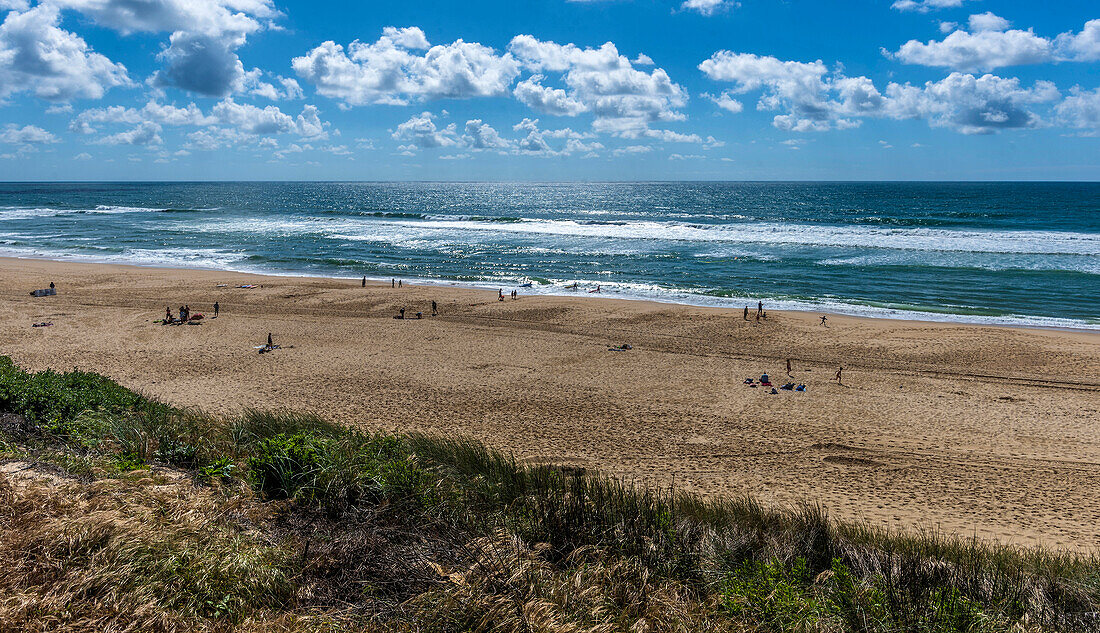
975	430
831	311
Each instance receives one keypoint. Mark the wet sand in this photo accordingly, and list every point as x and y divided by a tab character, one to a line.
987	431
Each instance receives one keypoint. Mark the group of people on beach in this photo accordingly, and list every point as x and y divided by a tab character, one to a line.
185	315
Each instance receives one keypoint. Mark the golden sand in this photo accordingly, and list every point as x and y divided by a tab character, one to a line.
986	431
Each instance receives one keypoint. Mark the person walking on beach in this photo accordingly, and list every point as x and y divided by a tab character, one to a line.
823	321
269	343
393	283
398	283
434	312
364	281
216	308
788	367
839	370
759	309
746	313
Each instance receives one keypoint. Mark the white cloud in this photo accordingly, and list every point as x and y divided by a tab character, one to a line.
390	71
537	141
1080	110
83	156
146	133
709	7
26	135
991	44
988	22
969	104
812	99
1083	46
201	56
454	157
726	102
925	6
481	135
981	50
420	130
623	100
632	149
39	57
685	156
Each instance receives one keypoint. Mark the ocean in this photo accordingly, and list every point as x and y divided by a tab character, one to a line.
999	253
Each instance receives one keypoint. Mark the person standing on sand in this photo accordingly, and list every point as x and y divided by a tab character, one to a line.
398	283
839	369
393	283
216	308
269	344
788	367
759	309
434	312
823	320
364	281
167	313
746	313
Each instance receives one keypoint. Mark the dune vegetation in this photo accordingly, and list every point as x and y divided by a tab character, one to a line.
121	513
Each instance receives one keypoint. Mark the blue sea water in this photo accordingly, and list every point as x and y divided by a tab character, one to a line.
1014	253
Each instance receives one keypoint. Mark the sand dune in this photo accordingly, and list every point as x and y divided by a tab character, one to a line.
978	430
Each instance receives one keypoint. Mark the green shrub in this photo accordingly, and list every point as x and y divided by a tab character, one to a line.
220	469
284	465
777	594
49	397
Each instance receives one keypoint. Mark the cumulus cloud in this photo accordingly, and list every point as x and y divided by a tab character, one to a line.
709	7
481	135
537	142
146	133
393	70
201	56
623	100
990	44
421	131
726	102
924	6
1083	46
37	56
228	122
810	98
1080	110
980	50
26	135
988	22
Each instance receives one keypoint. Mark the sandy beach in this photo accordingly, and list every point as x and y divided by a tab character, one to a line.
986	431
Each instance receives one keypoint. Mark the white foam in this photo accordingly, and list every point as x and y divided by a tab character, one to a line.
394	230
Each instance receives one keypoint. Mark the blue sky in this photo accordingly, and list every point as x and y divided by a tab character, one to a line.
549	90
